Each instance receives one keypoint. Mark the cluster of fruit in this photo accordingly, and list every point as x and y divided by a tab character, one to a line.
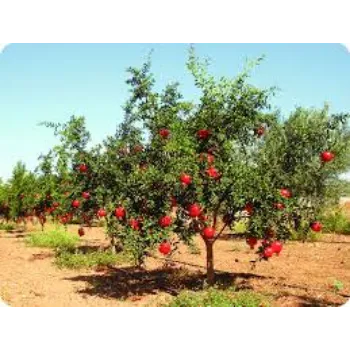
267	248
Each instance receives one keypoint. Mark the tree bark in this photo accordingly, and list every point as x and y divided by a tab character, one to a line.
113	245
210	263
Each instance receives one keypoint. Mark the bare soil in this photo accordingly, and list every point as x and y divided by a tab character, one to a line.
303	275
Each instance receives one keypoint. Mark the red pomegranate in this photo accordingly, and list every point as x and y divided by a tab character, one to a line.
203	134
207	157
186	179
285	193
86	195
135	224
120	213
83	168
194	210
277	247
316	226
213	173
165	221
101	213
208	232
165	248
76	204
279	206
252	242
164	133
63	220
81	232
268	252
327	156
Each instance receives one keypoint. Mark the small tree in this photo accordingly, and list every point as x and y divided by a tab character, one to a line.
65	172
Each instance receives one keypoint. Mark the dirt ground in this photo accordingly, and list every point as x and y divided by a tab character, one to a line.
303	275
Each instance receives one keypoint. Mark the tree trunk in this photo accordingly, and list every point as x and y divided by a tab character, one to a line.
297	222
113	245
210	263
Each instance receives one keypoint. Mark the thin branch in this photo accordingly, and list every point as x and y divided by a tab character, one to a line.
220	233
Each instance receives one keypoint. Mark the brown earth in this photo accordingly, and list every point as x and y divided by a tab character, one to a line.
303	275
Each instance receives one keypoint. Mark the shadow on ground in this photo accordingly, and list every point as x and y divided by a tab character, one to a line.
89	249
42	256
128	282
308	300
333	242
14	234
123	283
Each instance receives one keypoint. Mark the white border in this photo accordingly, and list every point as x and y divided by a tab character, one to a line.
3	307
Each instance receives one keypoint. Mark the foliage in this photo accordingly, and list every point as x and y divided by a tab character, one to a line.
219	298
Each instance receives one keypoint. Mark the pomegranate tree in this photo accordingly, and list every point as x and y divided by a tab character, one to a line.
176	170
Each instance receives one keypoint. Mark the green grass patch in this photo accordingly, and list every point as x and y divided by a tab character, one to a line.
214	297
309	236
7	227
55	239
240	226
338	286
78	260
336	221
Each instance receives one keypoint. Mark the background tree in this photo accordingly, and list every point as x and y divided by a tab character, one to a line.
20	187
292	158
4	201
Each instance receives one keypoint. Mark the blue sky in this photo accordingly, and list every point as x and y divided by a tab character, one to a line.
41	82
